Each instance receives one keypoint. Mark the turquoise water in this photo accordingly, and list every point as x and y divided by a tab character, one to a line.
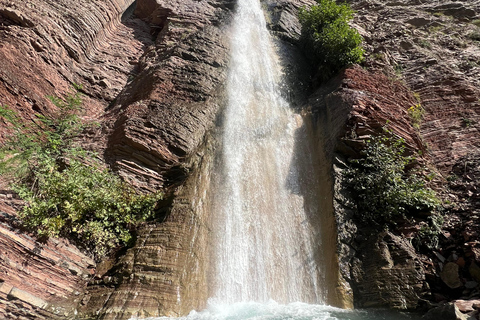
292	311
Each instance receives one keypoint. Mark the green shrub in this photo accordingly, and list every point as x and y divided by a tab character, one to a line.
66	190
383	189
416	114
428	235
327	38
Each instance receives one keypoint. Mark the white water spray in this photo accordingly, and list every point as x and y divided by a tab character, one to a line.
264	243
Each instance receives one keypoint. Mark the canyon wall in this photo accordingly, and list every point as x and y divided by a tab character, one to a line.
416	54
45	47
160	137
155	83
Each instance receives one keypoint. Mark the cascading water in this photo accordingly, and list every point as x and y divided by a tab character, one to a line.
264	261
264	242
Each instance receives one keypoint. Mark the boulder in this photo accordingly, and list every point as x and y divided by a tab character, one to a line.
450	275
448	311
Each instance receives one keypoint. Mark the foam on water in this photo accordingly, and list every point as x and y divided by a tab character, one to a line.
293	311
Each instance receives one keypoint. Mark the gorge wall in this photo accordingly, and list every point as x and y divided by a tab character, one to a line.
155	83
417	53
44	48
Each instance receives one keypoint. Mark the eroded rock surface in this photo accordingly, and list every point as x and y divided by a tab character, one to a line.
378	270
155	83
433	49
158	137
38	280
45	47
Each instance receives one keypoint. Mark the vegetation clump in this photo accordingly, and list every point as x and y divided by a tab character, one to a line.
384	189
329	41
416	114
67	192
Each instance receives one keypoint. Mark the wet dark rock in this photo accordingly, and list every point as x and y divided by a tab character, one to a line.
448	311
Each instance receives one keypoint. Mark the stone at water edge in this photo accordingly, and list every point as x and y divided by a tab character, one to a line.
448	311
474	271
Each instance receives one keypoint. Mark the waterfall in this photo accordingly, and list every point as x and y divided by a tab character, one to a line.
266	259
264	243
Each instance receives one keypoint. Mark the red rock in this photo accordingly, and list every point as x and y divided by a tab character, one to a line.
465	305
45	46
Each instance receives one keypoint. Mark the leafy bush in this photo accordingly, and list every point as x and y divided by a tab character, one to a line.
416	114
384	191
66	190
428	235
328	40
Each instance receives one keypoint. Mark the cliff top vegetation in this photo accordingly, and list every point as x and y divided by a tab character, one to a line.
328	39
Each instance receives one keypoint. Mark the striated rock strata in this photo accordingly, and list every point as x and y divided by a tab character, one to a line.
155	83
433	50
158	137
377	270
45	47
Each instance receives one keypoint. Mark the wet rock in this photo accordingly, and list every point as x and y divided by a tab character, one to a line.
474	271
284	18
159	137
392	274
448	311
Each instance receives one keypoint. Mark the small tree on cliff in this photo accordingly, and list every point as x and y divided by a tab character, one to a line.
67	191
327	38
384	190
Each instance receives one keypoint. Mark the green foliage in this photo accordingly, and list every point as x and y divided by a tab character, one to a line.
384	191
416	114
428	235
328	40
66	190
476	22
474	36
44	138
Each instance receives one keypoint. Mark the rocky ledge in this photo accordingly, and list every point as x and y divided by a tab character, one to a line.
155	83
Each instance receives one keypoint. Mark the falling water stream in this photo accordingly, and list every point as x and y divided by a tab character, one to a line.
264	261
264	242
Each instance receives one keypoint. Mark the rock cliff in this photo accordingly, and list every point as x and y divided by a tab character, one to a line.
154	81
45	47
159	138
417	53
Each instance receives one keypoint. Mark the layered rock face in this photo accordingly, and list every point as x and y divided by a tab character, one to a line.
376	269
433	50
155	83
45	47
159	137
48	46
169	68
